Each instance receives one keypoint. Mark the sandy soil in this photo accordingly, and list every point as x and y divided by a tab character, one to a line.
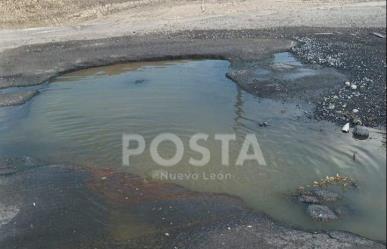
30	13
23	13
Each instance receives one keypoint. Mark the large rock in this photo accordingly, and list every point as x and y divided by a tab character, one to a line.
325	195
308	198
321	213
344	210
318	196
361	132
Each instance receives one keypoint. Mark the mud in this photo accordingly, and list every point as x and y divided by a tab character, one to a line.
11	99
66	207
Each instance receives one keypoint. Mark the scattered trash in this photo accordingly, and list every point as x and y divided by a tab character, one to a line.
263	124
345	128
337	180
357	121
355	110
331	106
353	87
377	34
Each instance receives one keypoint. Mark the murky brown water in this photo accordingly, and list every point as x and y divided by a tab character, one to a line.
80	118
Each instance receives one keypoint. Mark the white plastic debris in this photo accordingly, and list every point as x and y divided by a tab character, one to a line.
331	106
345	128
355	110
377	34
354	87
347	83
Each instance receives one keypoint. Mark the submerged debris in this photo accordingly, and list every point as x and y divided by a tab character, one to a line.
263	124
321	213
12	165
320	201
337	180
325	195
139	81
308	198
318	196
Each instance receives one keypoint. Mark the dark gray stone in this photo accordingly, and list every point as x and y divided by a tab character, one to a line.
308	198
344	211
361	132
325	195
321	213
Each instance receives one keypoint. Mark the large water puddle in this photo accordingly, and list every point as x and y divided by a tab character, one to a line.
80	119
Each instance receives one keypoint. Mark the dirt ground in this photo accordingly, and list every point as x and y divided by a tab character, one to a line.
34	13
53	12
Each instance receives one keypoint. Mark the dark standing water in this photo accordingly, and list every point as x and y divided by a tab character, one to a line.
80	118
